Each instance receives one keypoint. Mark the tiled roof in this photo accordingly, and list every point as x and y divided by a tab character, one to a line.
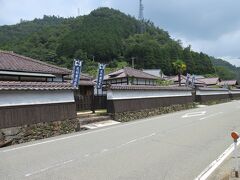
129	72
86	77
229	82
10	61
183	80
17	85
209	81
175	78
86	83
85	80
143	87
83	76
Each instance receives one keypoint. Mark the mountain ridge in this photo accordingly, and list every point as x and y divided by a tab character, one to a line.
105	35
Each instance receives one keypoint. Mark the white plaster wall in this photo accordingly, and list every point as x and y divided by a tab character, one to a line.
34	97
137	94
235	91
210	92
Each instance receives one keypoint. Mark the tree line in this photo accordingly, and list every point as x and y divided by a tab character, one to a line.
107	36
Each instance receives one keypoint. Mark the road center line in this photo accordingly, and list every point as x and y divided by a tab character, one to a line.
81	134
47	168
135	140
212	115
87	155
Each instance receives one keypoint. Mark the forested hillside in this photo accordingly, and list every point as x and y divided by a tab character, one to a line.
225	70
105	35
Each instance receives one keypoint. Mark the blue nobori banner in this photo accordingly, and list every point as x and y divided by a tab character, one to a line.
77	67
101	69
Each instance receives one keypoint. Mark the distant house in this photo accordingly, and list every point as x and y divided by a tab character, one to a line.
174	79
32	91
210	81
84	94
128	76
14	67
155	72
200	81
86	84
229	83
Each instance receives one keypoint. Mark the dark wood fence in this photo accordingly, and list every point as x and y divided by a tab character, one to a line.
83	102
32	114
90	102
100	102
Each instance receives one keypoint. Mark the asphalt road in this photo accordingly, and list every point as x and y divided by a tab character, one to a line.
173	146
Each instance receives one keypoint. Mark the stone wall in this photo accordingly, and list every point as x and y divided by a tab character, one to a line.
129	116
17	135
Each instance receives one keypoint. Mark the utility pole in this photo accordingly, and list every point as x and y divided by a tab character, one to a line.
140	16
132	62
78	12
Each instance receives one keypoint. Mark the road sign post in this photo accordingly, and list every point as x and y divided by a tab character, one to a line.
235	137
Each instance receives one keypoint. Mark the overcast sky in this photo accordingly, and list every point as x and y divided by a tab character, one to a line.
210	26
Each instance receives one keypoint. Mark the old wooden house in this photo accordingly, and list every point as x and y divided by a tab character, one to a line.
32	91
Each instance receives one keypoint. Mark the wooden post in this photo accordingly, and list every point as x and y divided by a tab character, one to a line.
93	101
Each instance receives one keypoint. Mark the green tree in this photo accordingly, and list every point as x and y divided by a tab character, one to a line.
225	73
108	35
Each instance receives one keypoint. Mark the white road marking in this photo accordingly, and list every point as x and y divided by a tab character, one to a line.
100	124
209	170
87	155
212	115
81	134
47	168
104	150
187	115
201	106
137	139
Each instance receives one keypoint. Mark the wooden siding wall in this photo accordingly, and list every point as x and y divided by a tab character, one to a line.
86	102
100	102
126	105
206	98
235	96
23	115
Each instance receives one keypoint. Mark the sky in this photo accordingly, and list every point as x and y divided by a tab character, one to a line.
209	26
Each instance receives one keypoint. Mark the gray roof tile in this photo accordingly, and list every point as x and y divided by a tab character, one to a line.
10	61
